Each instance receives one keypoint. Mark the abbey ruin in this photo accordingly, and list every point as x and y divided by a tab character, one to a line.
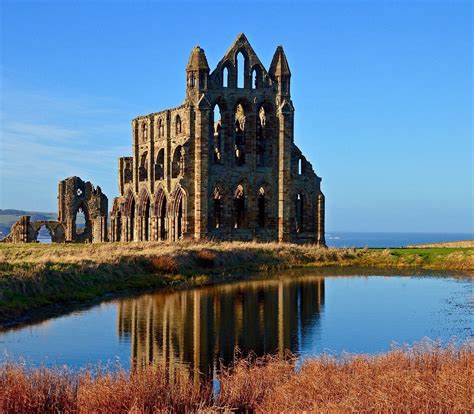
223	165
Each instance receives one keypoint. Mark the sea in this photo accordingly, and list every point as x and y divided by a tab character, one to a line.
376	239
385	239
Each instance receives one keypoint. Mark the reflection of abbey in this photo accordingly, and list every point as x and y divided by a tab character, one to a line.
202	327
224	164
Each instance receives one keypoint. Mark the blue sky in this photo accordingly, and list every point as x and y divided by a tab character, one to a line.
382	91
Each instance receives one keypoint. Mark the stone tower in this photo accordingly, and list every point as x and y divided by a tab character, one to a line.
224	164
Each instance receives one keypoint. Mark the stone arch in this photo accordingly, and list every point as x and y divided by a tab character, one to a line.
241	68
227	75
130	213
160	165
178	125
239	210
179	214
144	215
143	167
302	211
55	229
217	132
161	213
256	77
241	112
177	164
84	235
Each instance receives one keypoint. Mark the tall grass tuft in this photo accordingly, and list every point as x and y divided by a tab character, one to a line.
421	379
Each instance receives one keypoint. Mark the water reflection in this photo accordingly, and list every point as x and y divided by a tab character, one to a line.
201	327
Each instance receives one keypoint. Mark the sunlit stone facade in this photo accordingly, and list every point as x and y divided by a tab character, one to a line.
224	164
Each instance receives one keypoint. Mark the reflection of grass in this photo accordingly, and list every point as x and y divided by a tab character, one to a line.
423	379
33	275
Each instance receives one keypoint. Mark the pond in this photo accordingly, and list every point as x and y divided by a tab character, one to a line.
307	312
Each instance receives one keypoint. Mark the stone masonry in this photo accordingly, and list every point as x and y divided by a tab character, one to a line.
74	196
223	165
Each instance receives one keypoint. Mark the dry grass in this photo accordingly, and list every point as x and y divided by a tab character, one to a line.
425	379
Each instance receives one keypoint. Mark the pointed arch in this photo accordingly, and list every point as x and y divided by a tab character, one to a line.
144	214
301	211
225	76
256	77
179	211
217	198
130	213
177	165
160	165
161	212
178	125
239	207
143	168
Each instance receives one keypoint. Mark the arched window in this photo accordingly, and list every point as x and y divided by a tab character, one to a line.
299	212
160	165
254	79
261	207
261	144
178	125
239	135
143	168
239	207
216	138
300	166
177	167
144	132
80	220
161	128
132	220
240	66
217	197
225	77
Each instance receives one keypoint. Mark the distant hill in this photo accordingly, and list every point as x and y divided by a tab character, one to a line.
9	216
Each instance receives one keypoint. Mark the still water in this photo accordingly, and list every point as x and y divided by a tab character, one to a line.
308	313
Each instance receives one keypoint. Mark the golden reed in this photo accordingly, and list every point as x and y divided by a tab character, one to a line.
422	379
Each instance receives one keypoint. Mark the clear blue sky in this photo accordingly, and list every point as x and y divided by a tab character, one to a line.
382	91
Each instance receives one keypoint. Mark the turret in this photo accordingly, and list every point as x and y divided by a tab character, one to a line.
197	73
280	72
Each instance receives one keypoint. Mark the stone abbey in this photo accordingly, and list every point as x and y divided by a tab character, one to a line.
224	164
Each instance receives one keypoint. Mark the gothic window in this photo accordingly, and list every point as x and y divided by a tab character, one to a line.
239	135
80	220
160	165
177	167
239	207
216	138
217	198
178	125
144	132
299	212
261	207
261	144
225	77
161	128
256	77
240	65
142	169
300	166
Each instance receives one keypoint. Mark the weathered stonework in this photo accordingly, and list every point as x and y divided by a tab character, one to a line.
224	164
74	195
